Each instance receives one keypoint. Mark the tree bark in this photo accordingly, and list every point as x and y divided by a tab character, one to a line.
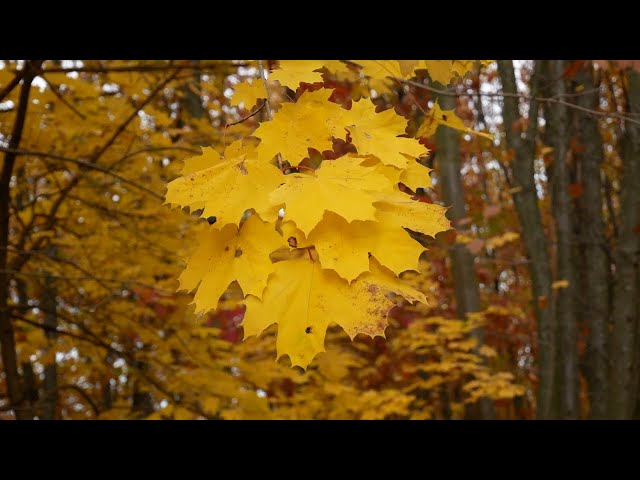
624	341
30	391
7	340
595	283
558	138
464	275
50	371
534	238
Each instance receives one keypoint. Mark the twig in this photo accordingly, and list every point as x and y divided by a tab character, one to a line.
57	93
83	163
268	104
450	93
133	115
139	68
248	116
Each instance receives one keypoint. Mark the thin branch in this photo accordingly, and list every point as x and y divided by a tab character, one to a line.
8	88
133	115
57	93
83	163
450	93
82	393
157	149
268	104
140	68
248	116
124	283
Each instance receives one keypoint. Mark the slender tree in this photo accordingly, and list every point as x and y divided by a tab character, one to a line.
624	341
558	137
525	198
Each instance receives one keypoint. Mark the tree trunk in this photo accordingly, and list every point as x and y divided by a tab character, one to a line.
464	276
595	294
30	392
7	340
50	372
534	238
558	138
625	296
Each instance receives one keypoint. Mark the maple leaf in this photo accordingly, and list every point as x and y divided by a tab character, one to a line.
462	67
308	123
416	175
407	67
400	210
303	299
248	93
448	118
376	134
228	188
380	69
208	158
341	186
345	247
439	70
228	255
293	72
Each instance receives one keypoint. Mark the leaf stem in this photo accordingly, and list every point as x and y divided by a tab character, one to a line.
267	103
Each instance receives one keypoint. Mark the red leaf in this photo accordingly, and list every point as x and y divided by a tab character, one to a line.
572	69
575	190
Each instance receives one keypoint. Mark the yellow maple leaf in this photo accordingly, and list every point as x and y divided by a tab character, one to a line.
416	175
248	93
462	67
448	118
208	158
341	186
228	255
380	69
407	67
376	134
400	210
308	123
303	298
293	72
228	188
345	247
439	70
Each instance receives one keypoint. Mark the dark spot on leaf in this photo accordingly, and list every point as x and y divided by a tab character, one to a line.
307	330
226	249
293	242
238	252
242	168
373	289
444	117
212	220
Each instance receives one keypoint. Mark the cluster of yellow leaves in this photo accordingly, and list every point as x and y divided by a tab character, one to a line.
348	214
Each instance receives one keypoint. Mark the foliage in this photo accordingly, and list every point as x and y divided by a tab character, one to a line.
94	257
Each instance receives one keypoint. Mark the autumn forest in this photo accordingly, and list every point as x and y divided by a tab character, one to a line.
319	239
